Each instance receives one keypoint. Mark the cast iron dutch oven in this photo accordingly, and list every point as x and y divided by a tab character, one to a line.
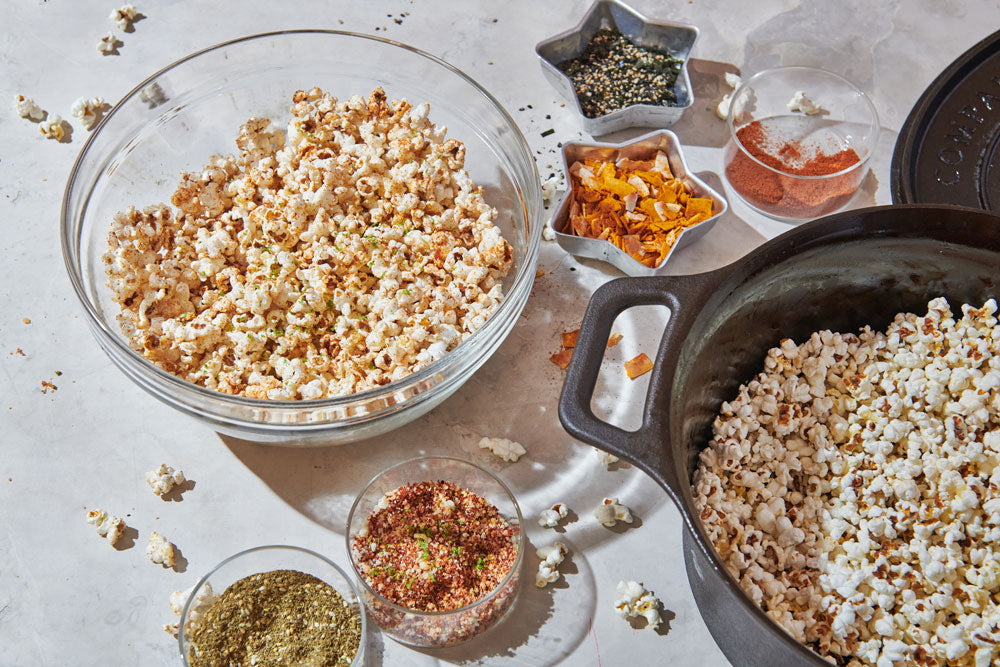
839	273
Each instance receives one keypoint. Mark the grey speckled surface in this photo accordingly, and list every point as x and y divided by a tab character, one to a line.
67	598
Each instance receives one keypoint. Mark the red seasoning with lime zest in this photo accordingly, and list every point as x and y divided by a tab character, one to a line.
434	546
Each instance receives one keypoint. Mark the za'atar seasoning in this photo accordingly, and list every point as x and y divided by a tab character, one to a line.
613	72
281	617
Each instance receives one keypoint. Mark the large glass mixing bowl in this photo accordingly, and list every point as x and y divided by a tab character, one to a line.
175	120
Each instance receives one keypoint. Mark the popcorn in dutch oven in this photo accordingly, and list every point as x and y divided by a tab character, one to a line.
853	489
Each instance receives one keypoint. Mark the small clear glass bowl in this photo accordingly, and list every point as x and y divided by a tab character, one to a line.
175	120
427	629
265	559
848	120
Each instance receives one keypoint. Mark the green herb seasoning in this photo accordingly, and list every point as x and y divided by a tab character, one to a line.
281	617
613	73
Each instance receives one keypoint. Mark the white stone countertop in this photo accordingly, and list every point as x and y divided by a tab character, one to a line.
67	598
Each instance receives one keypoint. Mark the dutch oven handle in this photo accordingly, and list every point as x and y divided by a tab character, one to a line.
647	446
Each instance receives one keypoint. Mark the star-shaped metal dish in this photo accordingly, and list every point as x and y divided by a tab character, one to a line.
674	38
640	148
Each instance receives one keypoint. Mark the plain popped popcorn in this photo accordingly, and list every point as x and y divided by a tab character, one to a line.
164	479
508	450
110	527
551	556
853	489
634	601
160	551
336	258
551	517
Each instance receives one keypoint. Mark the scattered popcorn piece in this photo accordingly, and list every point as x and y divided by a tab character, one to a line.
164	479
548	234
152	95
569	339
108	45
562	358
803	104
722	110
53	128
607	460
89	111
110	527
610	511
550	518
506	449
549	187
548	570
124	16
634	601
202	602
160	550
640	365
733	81
614	339
26	108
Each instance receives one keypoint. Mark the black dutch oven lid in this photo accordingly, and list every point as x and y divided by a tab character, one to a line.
948	151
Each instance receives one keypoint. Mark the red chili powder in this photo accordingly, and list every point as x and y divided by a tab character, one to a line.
786	195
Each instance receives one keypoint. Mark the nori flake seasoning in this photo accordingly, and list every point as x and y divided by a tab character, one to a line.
613	73
281	617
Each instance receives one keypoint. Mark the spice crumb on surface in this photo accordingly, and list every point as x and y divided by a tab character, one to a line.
27	321
281	617
562	358
639	365
48	387
434	546
569	338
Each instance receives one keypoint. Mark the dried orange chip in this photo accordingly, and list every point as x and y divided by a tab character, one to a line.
561	358
638	366
614	339
697	205
569	338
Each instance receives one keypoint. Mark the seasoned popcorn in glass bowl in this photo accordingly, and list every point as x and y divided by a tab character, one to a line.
294	238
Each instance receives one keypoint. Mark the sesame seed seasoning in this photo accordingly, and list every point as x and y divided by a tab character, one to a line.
613	72
434	546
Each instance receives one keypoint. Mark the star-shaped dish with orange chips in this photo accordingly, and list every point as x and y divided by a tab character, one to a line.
632	204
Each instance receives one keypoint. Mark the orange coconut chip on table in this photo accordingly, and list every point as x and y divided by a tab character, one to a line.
637	205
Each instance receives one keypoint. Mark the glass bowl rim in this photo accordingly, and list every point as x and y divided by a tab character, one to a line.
73	261
521	541
746	84
275	547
